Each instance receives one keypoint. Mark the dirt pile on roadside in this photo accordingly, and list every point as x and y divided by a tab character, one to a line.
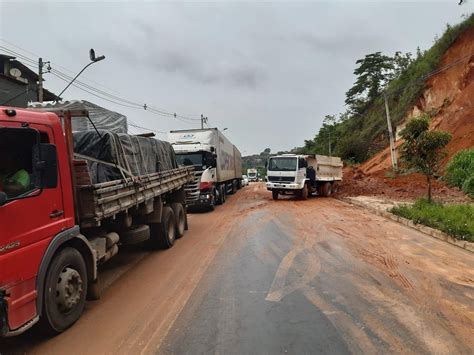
398	187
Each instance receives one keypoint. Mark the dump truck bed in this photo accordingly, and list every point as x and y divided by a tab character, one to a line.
327	168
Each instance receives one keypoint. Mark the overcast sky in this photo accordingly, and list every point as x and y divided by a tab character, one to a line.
269	72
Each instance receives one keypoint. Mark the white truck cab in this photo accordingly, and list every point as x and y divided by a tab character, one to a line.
303	175
217	165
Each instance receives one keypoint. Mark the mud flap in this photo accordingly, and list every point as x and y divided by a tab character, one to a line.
3	314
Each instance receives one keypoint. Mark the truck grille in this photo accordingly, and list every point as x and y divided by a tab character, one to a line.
281	178
192	188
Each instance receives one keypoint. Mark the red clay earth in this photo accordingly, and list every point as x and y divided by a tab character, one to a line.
448	99
398	187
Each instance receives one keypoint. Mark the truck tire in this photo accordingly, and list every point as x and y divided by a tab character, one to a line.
93	290
135	235
64	292
224	192
335	187
304	192
180	219
162	235
218	195
234	187
239	184
326	189
275	195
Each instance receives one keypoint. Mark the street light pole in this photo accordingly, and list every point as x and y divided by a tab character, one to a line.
93	60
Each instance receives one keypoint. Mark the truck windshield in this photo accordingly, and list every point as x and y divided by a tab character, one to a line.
16	162
190	159
282	164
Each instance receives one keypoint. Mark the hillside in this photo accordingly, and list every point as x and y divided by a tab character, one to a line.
361	132
438	82
447	97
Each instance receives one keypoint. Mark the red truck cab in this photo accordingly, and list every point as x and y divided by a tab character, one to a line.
35	220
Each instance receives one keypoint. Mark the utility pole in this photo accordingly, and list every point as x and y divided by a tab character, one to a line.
390	133
203	120
329	133
40	79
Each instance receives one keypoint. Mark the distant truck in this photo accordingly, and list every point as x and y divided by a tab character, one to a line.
58	225
303	175
252	174
217	163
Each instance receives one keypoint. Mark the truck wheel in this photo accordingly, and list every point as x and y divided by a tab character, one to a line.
64	292
326	189
234	187
180	219
335	187
218	195
135	234
224	192
275	195
239	184
162	235
304	192
93	290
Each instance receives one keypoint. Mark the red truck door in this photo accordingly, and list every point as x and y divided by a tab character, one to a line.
26	228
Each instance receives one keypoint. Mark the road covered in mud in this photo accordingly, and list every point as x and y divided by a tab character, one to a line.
286	276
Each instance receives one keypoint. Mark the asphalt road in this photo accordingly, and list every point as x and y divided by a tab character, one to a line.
259	276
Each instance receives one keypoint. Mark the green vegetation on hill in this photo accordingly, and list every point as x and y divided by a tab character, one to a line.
456	220
362	130
460	171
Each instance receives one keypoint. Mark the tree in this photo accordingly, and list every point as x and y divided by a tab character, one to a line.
423	150
400	64
373	73
329	123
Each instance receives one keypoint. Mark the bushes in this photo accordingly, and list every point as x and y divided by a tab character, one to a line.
456	220
460	171
468	186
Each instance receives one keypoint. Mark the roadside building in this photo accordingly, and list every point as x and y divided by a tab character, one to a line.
19	84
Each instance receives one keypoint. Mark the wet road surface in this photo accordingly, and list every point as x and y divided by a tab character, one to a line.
259	276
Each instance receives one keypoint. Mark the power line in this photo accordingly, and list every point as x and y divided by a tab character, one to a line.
100	93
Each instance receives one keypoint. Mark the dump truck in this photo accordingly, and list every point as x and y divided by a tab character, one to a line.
63	213
303	175
217	163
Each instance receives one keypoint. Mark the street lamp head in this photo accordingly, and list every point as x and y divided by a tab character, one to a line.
93	58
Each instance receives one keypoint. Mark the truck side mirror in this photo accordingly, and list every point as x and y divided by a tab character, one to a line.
3	198
45	166
213	161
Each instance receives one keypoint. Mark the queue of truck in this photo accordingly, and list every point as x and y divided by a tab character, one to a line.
69	199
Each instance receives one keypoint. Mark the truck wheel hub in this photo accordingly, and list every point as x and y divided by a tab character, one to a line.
68	289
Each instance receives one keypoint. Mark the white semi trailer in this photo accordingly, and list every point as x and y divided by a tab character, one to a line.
303	175
217	163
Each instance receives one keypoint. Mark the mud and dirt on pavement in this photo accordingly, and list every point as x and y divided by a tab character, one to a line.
322	276
286	276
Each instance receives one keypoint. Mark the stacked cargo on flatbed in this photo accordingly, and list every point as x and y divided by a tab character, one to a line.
125	172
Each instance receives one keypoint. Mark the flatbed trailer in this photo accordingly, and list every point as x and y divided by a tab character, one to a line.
55	236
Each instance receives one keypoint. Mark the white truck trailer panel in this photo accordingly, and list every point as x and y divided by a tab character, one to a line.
237	163
327	168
